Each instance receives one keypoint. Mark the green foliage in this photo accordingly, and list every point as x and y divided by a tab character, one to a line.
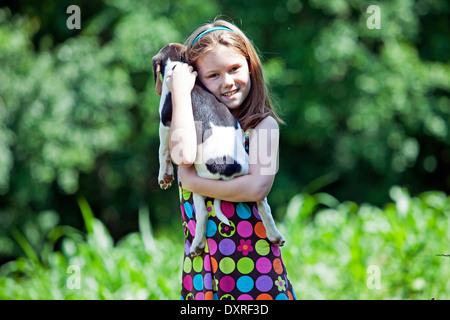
331	248
91	266
371	105
365	109
80	117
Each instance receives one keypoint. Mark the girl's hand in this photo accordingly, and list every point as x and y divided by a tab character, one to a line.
187	177
181	78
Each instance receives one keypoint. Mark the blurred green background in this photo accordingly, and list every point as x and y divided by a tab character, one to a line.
364	172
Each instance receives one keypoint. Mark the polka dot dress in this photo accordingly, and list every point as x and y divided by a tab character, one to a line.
238	262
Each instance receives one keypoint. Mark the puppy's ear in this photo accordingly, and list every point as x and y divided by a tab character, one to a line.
157	72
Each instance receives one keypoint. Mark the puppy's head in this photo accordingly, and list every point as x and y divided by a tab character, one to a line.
169	53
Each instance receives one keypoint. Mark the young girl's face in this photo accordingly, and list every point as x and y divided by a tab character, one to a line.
225	73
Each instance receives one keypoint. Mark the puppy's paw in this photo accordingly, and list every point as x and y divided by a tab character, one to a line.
166	181
276	239
197	248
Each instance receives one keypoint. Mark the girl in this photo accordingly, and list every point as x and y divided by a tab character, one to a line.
238	261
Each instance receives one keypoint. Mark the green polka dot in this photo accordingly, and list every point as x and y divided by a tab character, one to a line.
245	265
186	195
262	247
197	264
227	265
187	265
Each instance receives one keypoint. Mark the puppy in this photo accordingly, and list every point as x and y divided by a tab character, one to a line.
220	145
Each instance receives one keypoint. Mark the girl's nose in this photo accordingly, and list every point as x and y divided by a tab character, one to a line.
228	80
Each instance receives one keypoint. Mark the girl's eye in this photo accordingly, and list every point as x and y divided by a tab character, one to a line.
234	69
214	75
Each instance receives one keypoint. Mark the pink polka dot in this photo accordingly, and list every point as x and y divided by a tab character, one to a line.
212	245
207	263
263	265
182	212
245	297
276	250
226	284
191	226
245	229
200	296
227	209
187	282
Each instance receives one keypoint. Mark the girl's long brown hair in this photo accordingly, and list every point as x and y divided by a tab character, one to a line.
257	105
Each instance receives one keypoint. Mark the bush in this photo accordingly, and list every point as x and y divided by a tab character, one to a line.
344	251
365	109
91	266
334	251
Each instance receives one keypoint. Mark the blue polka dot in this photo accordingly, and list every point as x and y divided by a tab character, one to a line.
245	284
188	209
281	296
198	282
243	211
211	228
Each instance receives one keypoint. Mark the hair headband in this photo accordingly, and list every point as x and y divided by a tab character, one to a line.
208	31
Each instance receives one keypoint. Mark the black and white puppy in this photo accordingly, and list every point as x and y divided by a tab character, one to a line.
220	145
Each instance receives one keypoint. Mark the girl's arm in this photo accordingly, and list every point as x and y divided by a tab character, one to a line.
183	137
255	186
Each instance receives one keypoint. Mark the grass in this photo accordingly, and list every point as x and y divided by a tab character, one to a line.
334	250
90	266
344	251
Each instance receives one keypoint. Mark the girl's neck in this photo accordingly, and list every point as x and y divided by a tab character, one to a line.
235	112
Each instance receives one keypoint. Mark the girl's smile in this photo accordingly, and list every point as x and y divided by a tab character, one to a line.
226	74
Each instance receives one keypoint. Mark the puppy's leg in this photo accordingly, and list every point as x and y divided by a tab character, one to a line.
219	213
272	232
165	176
198	244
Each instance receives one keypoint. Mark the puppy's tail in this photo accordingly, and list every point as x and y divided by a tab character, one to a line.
219	213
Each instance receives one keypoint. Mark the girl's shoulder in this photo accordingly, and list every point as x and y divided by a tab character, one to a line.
266	127
268	122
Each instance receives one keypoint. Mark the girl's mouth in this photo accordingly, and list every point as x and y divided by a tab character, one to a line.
230	93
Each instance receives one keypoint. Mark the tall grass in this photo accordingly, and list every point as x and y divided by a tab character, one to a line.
345	251
90	266
334	250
